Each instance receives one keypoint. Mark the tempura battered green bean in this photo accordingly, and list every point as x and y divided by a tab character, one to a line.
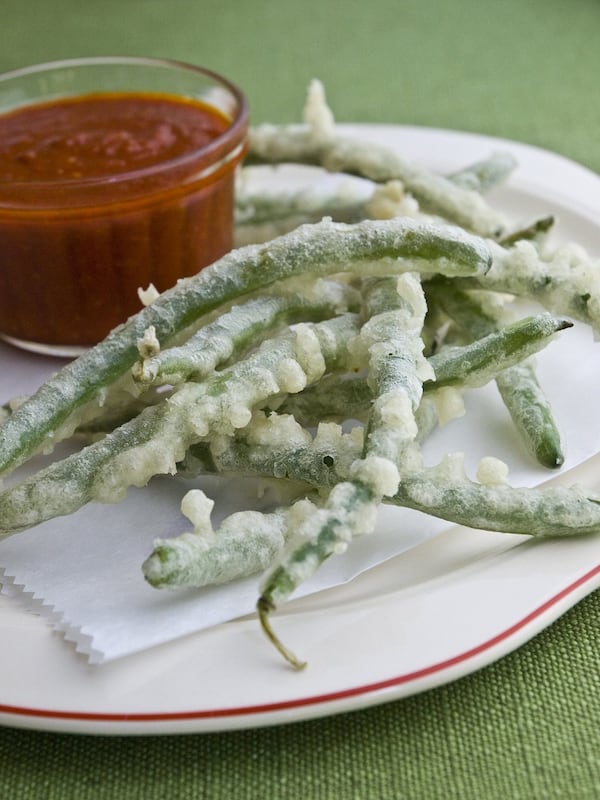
318	143
326	460
240	328
443	491
373	247
482	176
476	364
468	366
396	368
245	543
544	512
435	194
153	442
565	281
261	216
518	385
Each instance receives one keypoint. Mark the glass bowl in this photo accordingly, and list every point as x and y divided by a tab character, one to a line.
115	174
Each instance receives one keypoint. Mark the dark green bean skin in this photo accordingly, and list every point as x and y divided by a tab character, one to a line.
281	582
551	512
331	399
537	228
532	414
453	365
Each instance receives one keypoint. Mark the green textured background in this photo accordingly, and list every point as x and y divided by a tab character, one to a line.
528	726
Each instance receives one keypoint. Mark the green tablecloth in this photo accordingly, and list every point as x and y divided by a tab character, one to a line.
527	726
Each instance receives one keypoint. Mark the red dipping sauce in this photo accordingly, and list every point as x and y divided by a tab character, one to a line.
103	193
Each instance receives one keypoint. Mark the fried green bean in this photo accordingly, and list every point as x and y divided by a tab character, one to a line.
435	194
230	335
326	460
153	442
482	176
373	247
260	215
278	214
443	491
396	368
348	513
475	364
318	143
468	366
564	282
191	559
518	385
531	413
545	512
245	543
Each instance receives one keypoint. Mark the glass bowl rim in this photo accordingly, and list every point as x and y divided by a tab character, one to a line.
235	132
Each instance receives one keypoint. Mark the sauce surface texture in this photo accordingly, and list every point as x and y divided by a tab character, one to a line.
99	135
101	195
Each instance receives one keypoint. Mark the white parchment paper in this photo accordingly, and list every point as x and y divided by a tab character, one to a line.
83	571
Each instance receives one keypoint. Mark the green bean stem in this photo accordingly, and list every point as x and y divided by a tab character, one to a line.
345	516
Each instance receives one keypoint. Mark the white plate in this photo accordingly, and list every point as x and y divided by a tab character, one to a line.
433	614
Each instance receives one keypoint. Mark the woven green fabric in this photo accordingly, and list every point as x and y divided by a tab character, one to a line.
526	70
525	727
